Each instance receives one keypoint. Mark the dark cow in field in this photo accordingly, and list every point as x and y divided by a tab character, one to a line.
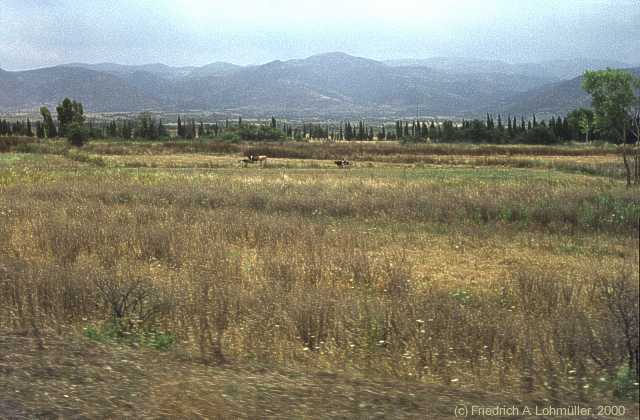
246	162
261	159
342	163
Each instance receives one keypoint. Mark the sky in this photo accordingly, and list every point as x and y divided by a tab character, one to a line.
40	33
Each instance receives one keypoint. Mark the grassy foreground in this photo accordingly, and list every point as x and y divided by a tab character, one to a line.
441	278
75	378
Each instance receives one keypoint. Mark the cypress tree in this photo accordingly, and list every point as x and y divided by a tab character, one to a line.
49	126
39	130
29	131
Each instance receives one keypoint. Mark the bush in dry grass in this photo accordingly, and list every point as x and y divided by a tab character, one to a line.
132	300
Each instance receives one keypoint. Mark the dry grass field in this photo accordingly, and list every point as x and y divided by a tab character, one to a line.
465	275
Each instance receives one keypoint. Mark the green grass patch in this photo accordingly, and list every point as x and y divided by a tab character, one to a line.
118	332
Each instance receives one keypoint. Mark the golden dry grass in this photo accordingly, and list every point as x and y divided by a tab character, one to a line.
80	379
429	274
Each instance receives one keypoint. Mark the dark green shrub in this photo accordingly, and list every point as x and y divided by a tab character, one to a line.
77	134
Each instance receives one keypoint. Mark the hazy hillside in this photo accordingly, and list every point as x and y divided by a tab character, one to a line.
568	69
553	70
332	84
119	69
96	90
339	84
218	68
555	98
456	65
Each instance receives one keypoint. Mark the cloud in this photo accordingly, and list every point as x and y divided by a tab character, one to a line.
185	32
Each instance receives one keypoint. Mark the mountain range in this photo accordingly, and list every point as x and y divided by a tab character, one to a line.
554	70
332	85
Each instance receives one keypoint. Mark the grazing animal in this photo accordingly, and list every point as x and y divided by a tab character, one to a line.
261	159
342	163
246	162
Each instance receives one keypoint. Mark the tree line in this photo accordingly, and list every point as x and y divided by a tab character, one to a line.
70	124
578	124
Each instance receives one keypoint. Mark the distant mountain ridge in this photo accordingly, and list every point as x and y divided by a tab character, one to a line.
121	69
552	69
218	68
325	85
47	86
555	98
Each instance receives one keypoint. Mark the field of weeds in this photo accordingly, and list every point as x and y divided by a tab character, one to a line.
520	280
582	159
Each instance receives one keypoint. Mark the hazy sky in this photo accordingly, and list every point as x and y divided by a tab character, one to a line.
36	33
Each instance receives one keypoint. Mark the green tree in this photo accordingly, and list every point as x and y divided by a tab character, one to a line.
615	102
581	120
181	130
112	129
39	130
49	126
127	129
613	97
146	127
69	112
77	134
538	135
29	130
192	130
